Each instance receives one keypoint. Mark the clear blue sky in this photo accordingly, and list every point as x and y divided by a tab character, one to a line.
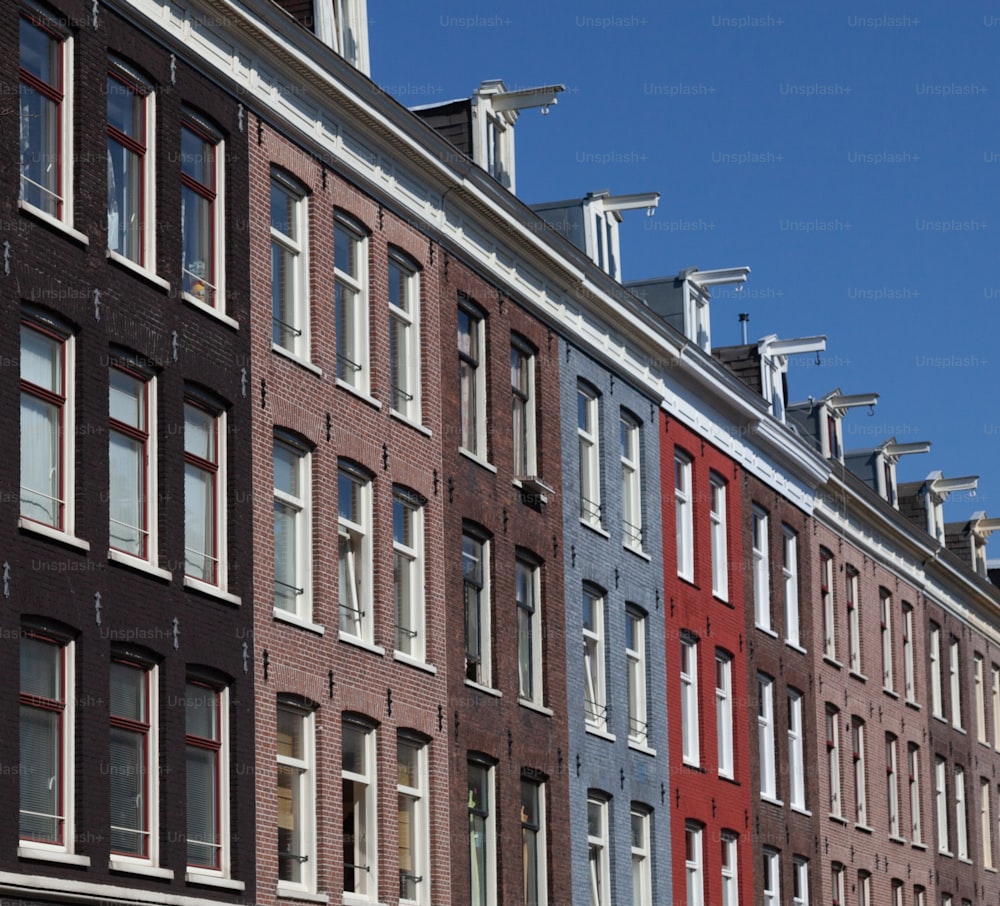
849	155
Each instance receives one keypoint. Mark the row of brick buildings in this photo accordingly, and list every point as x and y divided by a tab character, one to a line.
611	618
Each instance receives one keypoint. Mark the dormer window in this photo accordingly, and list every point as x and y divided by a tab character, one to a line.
341	24
833	445
889	482
774	355
935	491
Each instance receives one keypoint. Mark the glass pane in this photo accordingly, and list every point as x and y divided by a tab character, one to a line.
41	360
199	433
127	399
128	692
41	669
348	494
128	792
286	471
126	493
197	237
40	53
282	211
345	247
407	764
40	151
201	712
353	750
40	461
39	769
125	111
124	201
197	158
199	523
289	734
202	798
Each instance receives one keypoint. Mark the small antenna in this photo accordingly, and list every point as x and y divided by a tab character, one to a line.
744	320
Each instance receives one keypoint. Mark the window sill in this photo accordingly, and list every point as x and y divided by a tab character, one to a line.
961	730
594	527
722	598
203	307
891	692
638	552
300	893
479	461
641	747
489	690
138	868
209	880
985	743
416	426
534	706
838	819
833	662
360	643
766	630
920	846
48	219
26	851
297	359
414	662
687	578
858	676
603	734
894	839
137	269
801	810
941	718
864	828
136	563
46	531
765	798
534	494
795	646
360	394
293	619
944	852
910	703
965	860
212	591
351	899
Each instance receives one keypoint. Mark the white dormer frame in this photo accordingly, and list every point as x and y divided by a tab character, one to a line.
935	491
697	321
774	355
343	25
885	471
981	528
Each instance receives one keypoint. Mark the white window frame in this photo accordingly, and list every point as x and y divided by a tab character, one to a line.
476	594
523	416
60	94
765	737
858	732
354	533
635	657
724	713
720	546
937	698
215	466
955	682
978	673
472	379
892	782
833	761
404	339
294	247
761	569
206	290
790	583
143	147
594	663
690	711
642	880
412	802
597	849
729	868
909	674
918	895
528	594
302	772
408	574
300	508
683	515
885	626
351	306
829	607
864	888
485	818
219	749
986	822
343	25
913	778
534	840
694	864
995	694
360	794
852	579
961	814
796	751
771	881
588	411
897	892
800	881
837	884
941	802
631	451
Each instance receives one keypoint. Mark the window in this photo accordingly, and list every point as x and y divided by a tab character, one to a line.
408	572
864	889
595	703
961	814
642	880
941	802
588	431
683	507
359	811
986	822
133	764
892	782
853	622
292	530
897	892
913	754
694	864
730	869
412	817
885	617
937	700
631	482
860	777
46	121
597	849
350	268
46	741
761	570
296	796
918	895
529	632
472	379
482	835
207	765
533	843
995	690
790	583
909	677
204	494
796	755
980	698
837	884
771	877
800	881
47	425
826	597
202	215
720	556
522	390
476	589
132	457
635	656
354	521
765	736
131	195
833	760
956	683
289	268
689	700
724	712
404	337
